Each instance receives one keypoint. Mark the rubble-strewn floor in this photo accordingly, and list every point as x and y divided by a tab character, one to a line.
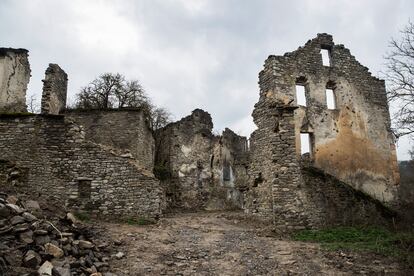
222	244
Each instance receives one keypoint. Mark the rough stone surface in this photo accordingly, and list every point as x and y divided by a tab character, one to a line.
45	268
65	249
14	77
199	169
342	140
32	259
53	152
353	141
55	86
53	250
126	130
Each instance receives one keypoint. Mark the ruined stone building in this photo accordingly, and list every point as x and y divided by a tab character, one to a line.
201	170
322	154
73	157
351	144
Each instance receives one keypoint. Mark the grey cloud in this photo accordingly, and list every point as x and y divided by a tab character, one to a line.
190	54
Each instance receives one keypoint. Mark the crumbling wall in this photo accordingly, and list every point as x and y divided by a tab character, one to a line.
197	167
14	77
55	86
62	164
125	130
353	141
274	191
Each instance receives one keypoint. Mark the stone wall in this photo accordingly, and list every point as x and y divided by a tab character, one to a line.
274	190
333	202
55	86
125	130
292	193
353	141
347	170
198	169
406	190
14	77
61	163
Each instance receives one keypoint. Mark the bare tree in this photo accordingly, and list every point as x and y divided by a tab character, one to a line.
33	105
160	117
400	80
114	91
111	91
131	94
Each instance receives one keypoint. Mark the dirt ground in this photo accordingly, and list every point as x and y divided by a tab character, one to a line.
227	244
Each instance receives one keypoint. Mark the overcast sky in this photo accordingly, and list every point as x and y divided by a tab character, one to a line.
193	53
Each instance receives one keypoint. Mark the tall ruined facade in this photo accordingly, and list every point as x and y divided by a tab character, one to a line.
350	142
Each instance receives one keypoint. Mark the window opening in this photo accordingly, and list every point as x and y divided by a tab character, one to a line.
305	143
326	57
300	95
84	188
330	99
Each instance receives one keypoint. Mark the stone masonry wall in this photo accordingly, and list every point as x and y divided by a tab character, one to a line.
197	167
62	164
125	130
352	142
293	194
281	189
335	203
55	86
274	191
14	77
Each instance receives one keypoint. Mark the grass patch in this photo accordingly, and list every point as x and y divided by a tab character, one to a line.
377	240
139	221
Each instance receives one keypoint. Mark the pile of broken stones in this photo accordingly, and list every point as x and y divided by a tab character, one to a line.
35	243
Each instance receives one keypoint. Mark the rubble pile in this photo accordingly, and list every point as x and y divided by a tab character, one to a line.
37	242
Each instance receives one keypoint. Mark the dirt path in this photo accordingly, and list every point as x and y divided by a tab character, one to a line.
223	244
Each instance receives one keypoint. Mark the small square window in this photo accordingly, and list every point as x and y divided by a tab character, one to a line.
300	95
226	173
84	188
326	57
